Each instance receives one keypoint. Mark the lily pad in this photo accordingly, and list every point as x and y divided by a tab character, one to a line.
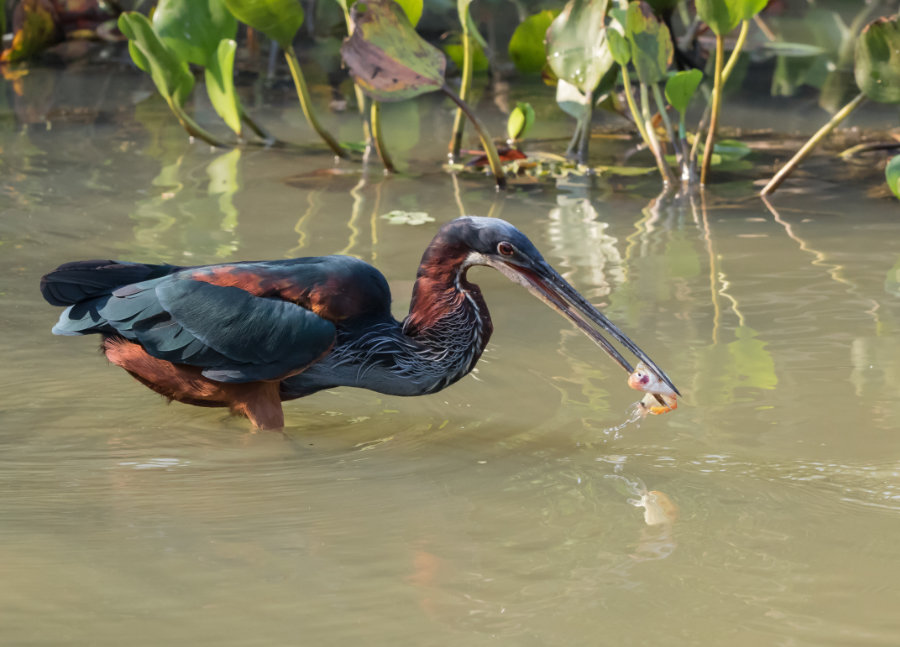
386	57
399	217
878	60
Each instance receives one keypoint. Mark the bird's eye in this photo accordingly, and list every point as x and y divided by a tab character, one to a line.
506	249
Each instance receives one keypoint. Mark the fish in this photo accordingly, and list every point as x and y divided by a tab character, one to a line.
660	397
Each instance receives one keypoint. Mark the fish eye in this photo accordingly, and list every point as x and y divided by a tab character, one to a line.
506	249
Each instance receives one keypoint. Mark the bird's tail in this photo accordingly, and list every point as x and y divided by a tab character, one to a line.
73	283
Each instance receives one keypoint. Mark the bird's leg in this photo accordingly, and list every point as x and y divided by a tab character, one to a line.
260	403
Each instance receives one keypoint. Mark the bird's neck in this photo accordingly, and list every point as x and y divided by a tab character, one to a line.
447	311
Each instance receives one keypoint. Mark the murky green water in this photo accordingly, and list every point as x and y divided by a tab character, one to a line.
498	511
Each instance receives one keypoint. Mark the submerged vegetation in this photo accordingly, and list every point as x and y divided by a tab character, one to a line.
665	66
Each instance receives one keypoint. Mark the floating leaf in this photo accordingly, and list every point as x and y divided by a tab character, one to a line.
520	120
278	19
626	171
892	175
680	88
878	60
220	85
724	15
399	217
780	48
526	47
193	29
171	75
386	56
651	44
576	44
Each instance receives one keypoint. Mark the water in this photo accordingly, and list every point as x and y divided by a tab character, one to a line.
500	511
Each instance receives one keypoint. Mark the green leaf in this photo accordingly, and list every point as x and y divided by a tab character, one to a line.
724	15
572	101
527	50
577	49
278	19
386	57
892	175
619	47
878	60
171	75
520	120
680	88
412	9
220	85
453	48
651	44
193	29
626	171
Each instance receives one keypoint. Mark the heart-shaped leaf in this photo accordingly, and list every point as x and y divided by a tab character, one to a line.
193	29
526	47
892	175
220	85
171	75
724	15
386	57
878	60
651	44
278	19
680	88
576	44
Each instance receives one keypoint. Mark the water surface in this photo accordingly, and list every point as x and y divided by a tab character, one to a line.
501	510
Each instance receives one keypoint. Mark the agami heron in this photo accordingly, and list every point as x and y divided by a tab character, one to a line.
250	335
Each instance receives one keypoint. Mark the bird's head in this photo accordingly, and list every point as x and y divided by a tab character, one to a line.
496	243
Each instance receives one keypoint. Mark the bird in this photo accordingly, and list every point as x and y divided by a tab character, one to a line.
250	335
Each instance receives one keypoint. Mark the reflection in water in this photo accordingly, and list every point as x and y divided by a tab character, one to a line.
656	540
180	216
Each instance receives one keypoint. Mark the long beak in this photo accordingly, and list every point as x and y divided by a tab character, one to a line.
547	285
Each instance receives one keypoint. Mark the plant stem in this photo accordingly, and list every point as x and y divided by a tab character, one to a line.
379	141
677	143
823	132
486	142
256	128
655	146
585	134
735	53
193	128
714	115
639	122
464	86
306	104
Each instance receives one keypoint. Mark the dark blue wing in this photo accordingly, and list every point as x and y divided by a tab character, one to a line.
233	335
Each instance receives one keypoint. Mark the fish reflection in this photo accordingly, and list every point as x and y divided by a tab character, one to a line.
657	539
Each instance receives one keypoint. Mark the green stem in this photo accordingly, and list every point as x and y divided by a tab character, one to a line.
585	134
486	142
306	103
736	52
714	115
193	128
677	143
465	85
379	141
639	122
823	132
656	147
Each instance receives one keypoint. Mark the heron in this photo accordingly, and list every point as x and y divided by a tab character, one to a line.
251	335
